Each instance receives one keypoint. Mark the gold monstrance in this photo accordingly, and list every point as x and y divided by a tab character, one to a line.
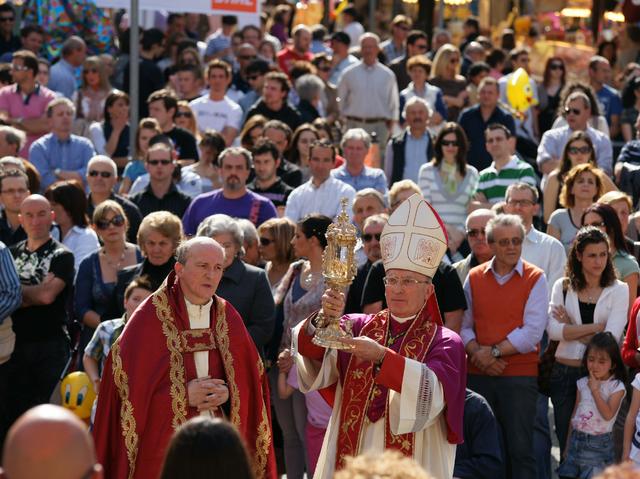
338	269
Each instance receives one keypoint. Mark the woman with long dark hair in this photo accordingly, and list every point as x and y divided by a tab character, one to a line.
587	301
302	138
553	81
448	183
604	217
69	204
111	136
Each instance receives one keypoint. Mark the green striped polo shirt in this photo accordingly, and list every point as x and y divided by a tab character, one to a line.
493	183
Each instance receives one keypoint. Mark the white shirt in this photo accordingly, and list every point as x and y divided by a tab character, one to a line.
325	199
216	115
545	252
81	242
200	318
380	98
611	309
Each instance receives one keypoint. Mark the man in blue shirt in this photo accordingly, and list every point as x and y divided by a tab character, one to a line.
355	146
474	122
608	98
61	155
64	76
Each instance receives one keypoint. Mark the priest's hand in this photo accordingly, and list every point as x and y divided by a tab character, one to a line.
333	303
365	349
202	392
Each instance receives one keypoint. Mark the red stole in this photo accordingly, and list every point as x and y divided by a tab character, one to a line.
143	396
359	386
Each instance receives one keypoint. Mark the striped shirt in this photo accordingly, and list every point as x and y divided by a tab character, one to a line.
493	183
10	289
452	207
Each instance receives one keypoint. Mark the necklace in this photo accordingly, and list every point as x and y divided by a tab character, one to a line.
309	278
592	297
116	265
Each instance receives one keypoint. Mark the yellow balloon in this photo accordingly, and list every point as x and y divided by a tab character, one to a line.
78	394
520	92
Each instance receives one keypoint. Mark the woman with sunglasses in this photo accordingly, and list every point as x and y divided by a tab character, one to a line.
448	184
90	98
276	248
587	301
298	153
299	295
549	92
111	136
582	187
98	272
186	119
604	217
69	203
577	151
445	74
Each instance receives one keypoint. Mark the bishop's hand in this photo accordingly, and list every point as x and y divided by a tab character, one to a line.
207	393
365	349
333	303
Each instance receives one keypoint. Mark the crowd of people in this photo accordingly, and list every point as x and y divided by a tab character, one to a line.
525	257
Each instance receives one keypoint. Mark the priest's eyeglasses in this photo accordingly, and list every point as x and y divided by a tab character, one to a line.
402	282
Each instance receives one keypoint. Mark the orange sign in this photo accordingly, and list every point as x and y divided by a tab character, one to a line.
239	6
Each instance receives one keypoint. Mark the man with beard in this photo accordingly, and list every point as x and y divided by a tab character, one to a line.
233	199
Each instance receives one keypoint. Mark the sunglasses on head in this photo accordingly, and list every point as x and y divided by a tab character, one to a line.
117	221
159	162
575	111
265	241
368	237
184	114
449	143
579	149
103	174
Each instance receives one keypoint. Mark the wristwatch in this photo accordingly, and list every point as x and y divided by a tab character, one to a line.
495	351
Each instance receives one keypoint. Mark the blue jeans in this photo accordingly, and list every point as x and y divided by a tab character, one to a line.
513	400
563	397
588	455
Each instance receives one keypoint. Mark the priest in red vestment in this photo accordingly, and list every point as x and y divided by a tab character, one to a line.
402	386
181	354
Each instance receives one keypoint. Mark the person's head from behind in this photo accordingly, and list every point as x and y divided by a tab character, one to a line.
590	256
388	465
137	291
49	442
204	447
602	359
69	203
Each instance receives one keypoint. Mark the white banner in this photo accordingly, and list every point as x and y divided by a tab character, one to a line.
211	7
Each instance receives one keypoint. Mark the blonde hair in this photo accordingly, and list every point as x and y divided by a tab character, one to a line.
400	186
109	206
445	52
612	197
388	465
163	222
282	230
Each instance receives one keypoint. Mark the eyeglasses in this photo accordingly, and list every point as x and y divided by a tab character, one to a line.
7	19
19	68
402	282
117	221
159	162
246	57
509	241
475	232
16	191
520	203
265	241
253	77
575	111
597	224
579	149
449	143
184	114
368	237
91	70
103	174
556	66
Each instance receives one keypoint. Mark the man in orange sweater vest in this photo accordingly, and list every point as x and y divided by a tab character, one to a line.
507	313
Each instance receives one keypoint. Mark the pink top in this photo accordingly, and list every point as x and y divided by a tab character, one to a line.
25	106
318	411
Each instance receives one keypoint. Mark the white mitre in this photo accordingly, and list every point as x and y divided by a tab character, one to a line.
414	238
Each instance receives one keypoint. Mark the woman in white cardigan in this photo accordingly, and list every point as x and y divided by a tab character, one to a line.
587	301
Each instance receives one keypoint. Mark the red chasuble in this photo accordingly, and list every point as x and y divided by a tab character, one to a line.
143	394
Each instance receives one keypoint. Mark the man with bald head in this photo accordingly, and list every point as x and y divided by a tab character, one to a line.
49	442
198	359
46	271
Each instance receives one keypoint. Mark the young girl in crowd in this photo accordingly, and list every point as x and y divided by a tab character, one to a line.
600	393
631	445
318	411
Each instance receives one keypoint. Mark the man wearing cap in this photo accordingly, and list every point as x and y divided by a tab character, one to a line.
402	384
